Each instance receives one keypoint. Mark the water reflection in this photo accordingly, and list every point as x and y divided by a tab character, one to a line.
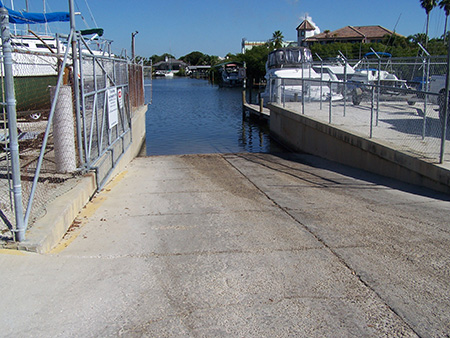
190	116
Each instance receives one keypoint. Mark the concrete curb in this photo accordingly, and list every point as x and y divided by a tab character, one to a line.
48	230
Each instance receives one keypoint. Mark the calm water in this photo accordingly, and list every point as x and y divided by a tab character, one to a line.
190	116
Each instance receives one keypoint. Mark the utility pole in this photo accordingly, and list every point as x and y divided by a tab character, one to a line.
132	44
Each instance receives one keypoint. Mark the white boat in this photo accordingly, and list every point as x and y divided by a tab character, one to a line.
361	82
165	73
290	75
336	66
36	61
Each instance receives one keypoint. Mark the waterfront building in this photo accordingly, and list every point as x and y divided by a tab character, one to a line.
352	34
306	30
247	45
170	64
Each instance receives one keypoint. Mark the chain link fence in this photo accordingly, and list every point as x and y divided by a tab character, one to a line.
402	105
35	74
60	135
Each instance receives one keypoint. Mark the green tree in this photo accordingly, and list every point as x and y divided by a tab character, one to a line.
196	58
255	60
157	58
277	40
428	5
445	5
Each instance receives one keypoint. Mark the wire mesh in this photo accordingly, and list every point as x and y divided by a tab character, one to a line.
35	74
99	74
401	106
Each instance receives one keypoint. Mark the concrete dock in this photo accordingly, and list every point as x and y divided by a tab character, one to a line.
240	245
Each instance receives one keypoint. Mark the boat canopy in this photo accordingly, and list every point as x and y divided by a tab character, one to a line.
32	18
378	53
289	57
98	31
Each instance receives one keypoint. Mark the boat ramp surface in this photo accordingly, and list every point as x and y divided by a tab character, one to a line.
240	245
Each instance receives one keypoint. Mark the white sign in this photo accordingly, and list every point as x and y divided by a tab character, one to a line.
120	97
113	114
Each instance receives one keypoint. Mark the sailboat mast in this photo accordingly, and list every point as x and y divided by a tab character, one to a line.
46	24
26	6
14	25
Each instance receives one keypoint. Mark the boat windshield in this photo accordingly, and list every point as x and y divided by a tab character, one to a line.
289	57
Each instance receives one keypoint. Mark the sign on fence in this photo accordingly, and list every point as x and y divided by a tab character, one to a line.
113	116
120	97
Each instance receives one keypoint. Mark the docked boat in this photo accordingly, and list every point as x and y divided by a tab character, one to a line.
337	66
164	73
35	63
290	76
35	69
232	74
361	82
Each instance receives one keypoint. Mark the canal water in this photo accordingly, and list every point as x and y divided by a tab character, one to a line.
192	116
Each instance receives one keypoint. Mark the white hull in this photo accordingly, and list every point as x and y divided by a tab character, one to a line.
290	84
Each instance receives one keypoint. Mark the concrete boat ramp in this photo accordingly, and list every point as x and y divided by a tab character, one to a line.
240	245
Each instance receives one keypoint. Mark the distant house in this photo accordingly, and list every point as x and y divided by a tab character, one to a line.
352	34
170	64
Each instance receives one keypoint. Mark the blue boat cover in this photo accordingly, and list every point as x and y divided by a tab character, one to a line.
31	18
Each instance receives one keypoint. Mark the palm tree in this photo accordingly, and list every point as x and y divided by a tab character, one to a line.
428	5
445	5
277	39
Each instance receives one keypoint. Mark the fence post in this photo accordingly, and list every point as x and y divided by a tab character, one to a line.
371	111
331	102
321	79
19	232
76	82
345	82
426	76
446	106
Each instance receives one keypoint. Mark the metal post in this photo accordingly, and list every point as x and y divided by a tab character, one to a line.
303	95
345	82
426	72
321	79
76	71
245	80
303	88
445	120
371	112
331	97
426	98
378	83
19	232
132	45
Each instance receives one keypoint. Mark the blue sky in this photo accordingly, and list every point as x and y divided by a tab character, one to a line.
216	27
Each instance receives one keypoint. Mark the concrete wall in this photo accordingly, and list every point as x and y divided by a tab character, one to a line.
305	134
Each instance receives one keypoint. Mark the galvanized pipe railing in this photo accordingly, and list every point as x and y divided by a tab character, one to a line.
19	230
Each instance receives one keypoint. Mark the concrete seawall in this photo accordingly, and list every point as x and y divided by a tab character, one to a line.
303	133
